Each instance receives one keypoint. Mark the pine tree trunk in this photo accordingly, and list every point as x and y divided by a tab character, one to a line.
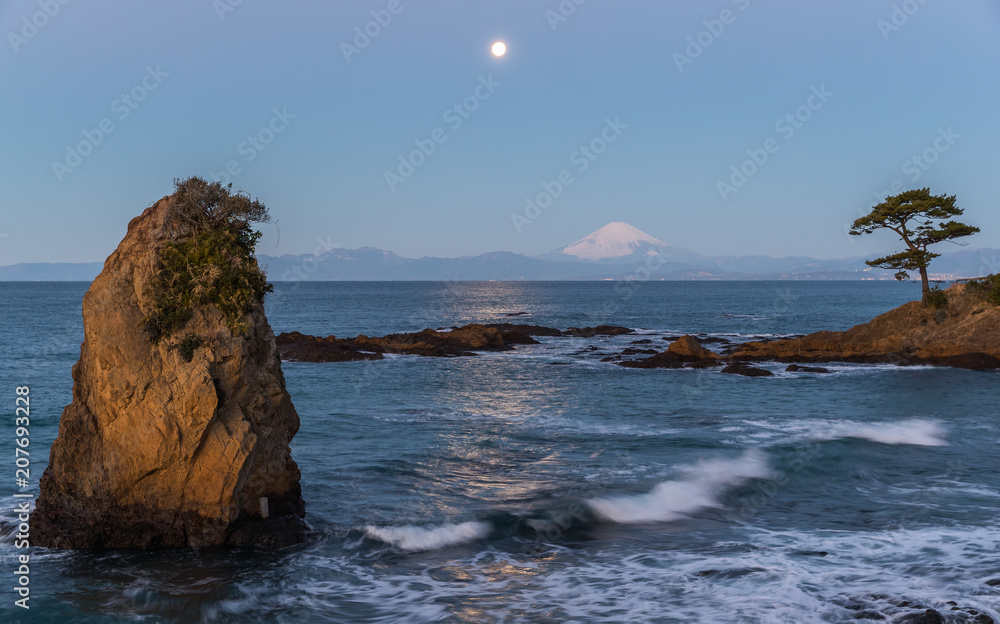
926	284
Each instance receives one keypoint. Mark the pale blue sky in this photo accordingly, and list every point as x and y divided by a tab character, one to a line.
323	175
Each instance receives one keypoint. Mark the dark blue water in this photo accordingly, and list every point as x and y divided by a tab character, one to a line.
507	488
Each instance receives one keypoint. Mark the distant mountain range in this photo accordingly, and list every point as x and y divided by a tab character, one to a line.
616	251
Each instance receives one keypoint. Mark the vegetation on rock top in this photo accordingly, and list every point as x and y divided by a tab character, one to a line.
214	264
987	287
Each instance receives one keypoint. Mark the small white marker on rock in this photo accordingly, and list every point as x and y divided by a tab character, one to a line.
264	512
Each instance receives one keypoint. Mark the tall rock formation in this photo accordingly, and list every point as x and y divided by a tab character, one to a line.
184	442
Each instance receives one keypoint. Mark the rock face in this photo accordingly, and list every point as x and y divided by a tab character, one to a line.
161	450
689	349
964	334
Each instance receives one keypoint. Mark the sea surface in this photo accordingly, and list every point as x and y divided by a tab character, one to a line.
542	485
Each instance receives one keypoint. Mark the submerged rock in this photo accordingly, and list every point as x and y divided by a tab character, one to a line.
795	368
600	330
183	442
742	368
634	351
660	360
930	616
528	330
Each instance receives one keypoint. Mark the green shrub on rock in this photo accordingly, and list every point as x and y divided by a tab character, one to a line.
213	263
936	299
186	347
988	288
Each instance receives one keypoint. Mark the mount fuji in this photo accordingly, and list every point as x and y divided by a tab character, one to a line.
619	242
614	241
615	251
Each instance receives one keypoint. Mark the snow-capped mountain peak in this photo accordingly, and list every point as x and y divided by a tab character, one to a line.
614	240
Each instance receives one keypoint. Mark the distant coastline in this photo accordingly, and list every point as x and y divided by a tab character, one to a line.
617	251
368	264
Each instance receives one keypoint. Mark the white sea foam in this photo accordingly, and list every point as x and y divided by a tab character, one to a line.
914	431
415	538
762	577
697	489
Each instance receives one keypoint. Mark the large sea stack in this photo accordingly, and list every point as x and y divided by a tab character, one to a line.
178	433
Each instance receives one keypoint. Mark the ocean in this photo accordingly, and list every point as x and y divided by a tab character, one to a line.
543	485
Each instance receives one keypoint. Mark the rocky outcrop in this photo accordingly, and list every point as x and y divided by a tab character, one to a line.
180	443
461	341
965	334
297	347
689	349
684	352
457	342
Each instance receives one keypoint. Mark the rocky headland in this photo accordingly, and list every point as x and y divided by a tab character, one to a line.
173	438
963	331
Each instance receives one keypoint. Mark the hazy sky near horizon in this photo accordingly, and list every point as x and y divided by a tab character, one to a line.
268	89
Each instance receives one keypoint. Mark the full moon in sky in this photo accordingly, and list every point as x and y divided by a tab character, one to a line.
499	48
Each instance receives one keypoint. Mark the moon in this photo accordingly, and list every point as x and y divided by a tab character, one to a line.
499	49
